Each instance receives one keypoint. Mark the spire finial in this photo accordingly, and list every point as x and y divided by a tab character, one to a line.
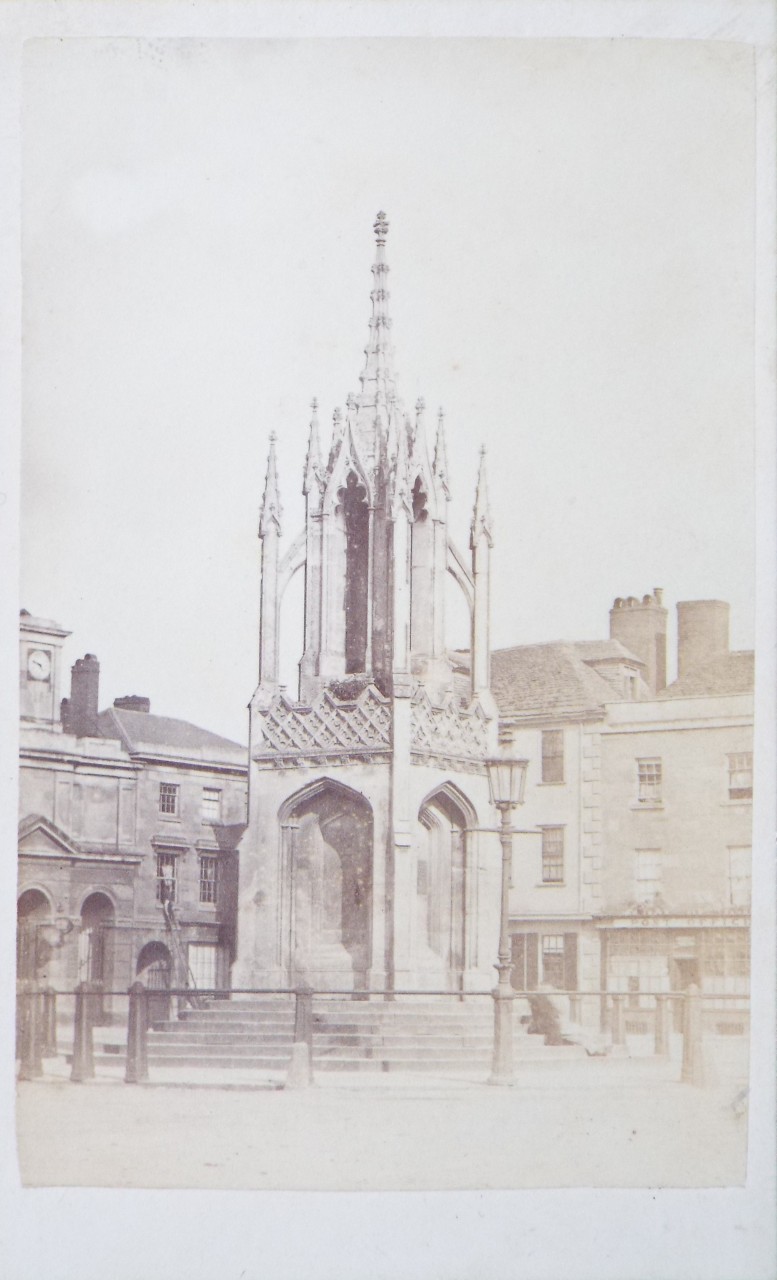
441	453
377	378
270	515
481	516
313	459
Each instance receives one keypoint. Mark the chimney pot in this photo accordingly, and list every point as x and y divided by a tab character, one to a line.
132	702
702	632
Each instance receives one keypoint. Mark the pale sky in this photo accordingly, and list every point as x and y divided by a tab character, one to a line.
571	254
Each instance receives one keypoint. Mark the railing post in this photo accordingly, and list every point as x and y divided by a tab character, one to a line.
502	1058
300	1074
83	1049
618	1034
137	1035
49	1023
97	1003
574	1006
661	1048
693	1048
31	1066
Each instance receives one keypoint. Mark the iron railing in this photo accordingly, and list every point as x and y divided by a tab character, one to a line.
37	1022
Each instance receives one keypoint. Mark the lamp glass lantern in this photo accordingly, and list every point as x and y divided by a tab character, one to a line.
506	780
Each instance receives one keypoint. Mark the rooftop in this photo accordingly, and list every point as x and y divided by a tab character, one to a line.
559	678
727	673
139	729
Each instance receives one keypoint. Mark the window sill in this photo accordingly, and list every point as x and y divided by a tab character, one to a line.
550	884
647	807
728	803
562	783
169	817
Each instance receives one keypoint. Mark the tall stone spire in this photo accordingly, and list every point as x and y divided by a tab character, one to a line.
270	515
378	381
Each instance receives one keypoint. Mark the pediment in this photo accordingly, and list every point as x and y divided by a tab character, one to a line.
39	835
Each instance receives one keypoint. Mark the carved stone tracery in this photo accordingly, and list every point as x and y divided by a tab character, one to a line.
328	726
447	730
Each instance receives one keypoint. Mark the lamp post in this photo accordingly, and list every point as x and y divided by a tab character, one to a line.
506	779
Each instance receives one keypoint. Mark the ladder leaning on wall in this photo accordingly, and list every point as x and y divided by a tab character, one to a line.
181	956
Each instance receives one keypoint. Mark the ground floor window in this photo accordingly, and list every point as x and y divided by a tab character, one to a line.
726	953
203	964
549	958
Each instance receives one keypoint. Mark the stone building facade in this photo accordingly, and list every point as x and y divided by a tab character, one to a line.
129	824
370	860
634	870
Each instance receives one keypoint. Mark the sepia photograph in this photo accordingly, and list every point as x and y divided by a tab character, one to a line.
387	627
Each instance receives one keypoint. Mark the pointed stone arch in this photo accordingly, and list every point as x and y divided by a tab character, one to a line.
326	832
452	797
444	817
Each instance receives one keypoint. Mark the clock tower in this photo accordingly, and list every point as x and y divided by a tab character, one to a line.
40	666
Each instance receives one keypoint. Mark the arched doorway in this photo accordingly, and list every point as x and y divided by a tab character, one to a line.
440	915
154	968
95	946
33	951
327	837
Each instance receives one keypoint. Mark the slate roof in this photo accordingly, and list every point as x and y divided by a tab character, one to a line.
139	729
556	679
728	673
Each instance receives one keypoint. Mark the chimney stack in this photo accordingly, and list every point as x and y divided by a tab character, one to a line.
702	632
79	711
640	625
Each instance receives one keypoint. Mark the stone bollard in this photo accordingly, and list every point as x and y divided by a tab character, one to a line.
693	1045
137	1035
83	1048
49	1023
618	1033
31	1066
661	1048
300	1074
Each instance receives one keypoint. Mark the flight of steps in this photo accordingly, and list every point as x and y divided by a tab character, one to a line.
414	1034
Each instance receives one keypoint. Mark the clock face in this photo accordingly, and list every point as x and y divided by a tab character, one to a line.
38	664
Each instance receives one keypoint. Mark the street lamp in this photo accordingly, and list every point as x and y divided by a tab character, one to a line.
506	780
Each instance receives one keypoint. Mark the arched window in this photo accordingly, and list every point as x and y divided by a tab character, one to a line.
421	578
32	950
356	515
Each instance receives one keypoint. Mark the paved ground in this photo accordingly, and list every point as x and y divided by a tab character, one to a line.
591	1122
